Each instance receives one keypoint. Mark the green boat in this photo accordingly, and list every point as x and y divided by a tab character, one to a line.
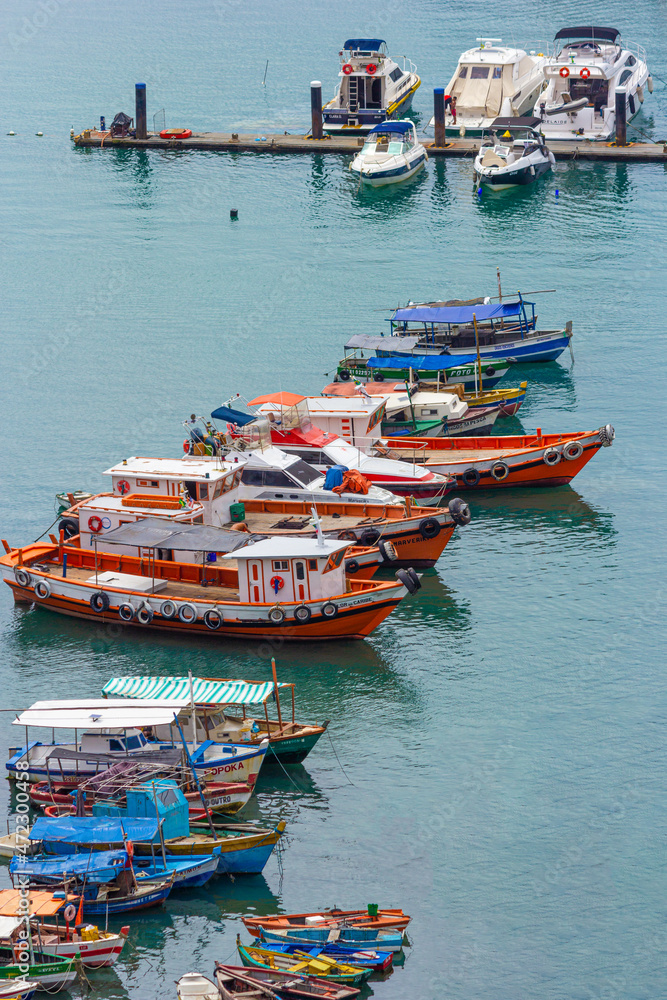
50	974
446	368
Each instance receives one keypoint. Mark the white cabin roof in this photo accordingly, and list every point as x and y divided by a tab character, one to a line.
498	55
100	713
115	505
289	548
341	406
169	468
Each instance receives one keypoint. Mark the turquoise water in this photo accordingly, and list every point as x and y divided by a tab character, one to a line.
500	735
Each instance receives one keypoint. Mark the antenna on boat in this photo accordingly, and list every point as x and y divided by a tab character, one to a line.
318	526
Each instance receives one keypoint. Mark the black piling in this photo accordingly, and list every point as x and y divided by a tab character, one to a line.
439	116
621	117
316	109
140	110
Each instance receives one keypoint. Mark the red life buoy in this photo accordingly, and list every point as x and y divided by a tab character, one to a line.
585	73
95	523
371	69
176	133
123	487
277	583
347	68
186	446
564	71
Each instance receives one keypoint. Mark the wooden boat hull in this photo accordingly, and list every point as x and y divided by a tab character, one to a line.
345	937
284	984
376	961
499	463
385	920
97	954
145	897
242	854
50	973
264	958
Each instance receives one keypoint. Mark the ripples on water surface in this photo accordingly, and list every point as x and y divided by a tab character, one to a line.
502	734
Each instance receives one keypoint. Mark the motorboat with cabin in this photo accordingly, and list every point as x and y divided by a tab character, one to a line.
391	153
588	66
372	88
382	358
491	80
513	154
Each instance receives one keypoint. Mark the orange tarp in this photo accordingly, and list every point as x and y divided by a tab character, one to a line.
41	904
284	398
353	482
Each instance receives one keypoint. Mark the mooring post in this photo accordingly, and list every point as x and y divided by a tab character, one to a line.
621	121
439	115
140	110
316	109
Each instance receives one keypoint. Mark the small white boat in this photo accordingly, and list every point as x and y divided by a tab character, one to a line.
489	81
372	88
193	986
392	153
515	154
588	65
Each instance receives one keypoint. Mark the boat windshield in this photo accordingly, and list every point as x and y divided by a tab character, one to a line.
254	435
303	473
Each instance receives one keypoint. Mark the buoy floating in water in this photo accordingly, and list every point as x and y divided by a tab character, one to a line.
39	133
233	213
11	133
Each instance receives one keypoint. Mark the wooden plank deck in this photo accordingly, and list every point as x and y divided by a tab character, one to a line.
641	152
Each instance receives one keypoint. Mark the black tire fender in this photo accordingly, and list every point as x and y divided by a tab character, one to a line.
429	528
404	577
460	511
99	601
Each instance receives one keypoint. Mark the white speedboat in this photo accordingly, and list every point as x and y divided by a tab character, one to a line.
372	88
513	155
489	81
392	153
588	64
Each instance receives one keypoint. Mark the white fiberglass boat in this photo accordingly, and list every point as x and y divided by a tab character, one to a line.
589	64
489	81
515	154
372	88
392	153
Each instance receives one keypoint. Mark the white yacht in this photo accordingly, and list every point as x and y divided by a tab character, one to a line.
513	155
391	153
372	88
491	80
588	64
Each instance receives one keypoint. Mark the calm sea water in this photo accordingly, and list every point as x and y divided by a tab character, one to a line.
496	763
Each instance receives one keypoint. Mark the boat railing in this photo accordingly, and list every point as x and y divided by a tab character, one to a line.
411	67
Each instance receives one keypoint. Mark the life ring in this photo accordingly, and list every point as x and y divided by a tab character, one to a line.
429	528
168	609
213	620
145	615
500	471
43	589
126	612
187	613
123	487
277	616
348	68
99	601
573	450
352	567
403	576
302	614
345	375
22	577
388	551
70	913
371	69
460	511
585	73
95	524
176	133
471	477
370	537
564	72
551	456
329	610
277	583
186	446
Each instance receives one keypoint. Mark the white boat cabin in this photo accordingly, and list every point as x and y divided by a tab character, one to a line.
291	569
357	420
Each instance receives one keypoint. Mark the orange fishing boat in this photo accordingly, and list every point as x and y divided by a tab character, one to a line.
517	460
371	917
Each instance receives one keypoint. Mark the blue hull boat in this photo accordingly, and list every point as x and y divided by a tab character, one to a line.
144	896
188	872
367	958
347	937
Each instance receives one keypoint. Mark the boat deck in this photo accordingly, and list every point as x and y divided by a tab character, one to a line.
262	523
174	589
452	455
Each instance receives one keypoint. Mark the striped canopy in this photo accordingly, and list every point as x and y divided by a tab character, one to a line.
206	692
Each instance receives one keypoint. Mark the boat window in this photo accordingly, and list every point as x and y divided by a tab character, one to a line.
625	75
630	61
334	560
312	564
148	482
273	477
396	74
251	477
203	491
191	489
135	742
300	571
280	564
428	413
116	745
395	148
303	473
479	73
369	147
497	72
463	72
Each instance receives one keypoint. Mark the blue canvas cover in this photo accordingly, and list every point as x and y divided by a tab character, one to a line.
457	314
400	127
91	830
232	416
94	866
421	362
364	44
334	476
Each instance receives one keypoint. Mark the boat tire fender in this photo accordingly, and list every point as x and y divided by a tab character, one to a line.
69	526
302	614
352	566
370	537
213	620
471	477
379	377
145	615
607	435
387	551
429	528
404	577
126	612
551	456
573	450
43	589
500	471
168	609
22	577
345	375
460	511
414	576
277	616
347	536
329	610
187	613
100	601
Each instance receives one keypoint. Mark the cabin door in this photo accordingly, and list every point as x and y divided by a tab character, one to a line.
301	588
255	581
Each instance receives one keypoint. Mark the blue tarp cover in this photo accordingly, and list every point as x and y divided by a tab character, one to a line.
456	314
334	476
431	363
232	416
365	44
401	127
95	866
93	829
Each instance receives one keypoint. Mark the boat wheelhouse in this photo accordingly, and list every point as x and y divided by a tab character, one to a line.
491	80
391	153
372	88
590	64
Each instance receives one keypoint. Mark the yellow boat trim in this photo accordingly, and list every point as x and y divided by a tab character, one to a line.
394	107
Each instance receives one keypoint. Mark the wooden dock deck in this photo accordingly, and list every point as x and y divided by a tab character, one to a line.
227	142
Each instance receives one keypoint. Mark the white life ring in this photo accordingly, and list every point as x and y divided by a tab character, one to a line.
70	913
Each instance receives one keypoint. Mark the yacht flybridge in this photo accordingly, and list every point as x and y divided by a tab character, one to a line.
588	65
491	80
372	88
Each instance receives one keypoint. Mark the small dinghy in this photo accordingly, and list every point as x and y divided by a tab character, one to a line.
193	986
391	153
514	158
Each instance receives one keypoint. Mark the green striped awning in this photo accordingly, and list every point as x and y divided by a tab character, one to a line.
206	692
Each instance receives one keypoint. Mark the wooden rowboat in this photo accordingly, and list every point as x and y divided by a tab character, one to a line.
329	918
302	963
236	982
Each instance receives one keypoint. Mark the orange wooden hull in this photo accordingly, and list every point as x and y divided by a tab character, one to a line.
385	919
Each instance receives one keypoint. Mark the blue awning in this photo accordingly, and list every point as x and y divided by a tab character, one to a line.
233	416
399	127
93	829
364	44
456	314
96	866
430	363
